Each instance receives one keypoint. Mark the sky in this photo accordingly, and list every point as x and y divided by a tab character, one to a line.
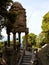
35	10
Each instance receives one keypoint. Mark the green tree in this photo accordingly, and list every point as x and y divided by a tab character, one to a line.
41	39
4	12
31	39
45	22
4	6
45	25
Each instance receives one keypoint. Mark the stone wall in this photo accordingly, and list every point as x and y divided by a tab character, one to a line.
43	55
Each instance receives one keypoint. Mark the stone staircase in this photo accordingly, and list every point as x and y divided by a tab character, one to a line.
27	59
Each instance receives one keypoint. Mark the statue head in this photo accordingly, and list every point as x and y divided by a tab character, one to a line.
17	5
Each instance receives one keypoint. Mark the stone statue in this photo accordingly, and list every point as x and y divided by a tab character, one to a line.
19	15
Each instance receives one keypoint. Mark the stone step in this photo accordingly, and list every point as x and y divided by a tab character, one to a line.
27	56
26	59
26	63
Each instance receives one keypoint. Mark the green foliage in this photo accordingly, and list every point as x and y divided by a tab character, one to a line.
45	22
3	6
24	40
31	39
11	42
45	25
1	44
5	2
41	39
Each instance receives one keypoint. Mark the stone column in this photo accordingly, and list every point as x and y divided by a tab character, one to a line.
14	40
8	48
19	35
8	39
8	36
26	40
